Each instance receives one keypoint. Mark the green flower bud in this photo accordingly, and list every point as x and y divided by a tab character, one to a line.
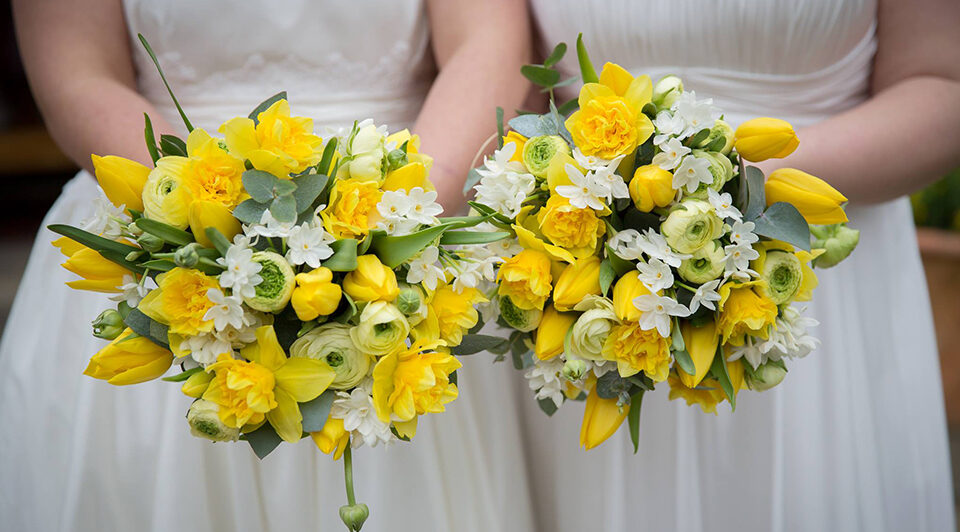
409	300
397	159
691	225
766	376
205	422
150	242
705	265
108	325
838	240
520	319
666	91
274	292
134	229
354	515
782	271
573	370
720	139
539	151
133	255
331	343
187	256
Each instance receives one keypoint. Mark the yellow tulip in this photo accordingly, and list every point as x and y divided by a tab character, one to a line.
818	202
701	343
196	384
407	177
551	332
651	187
204	214
765	138
512	137
371	281
315	294
578	280
601	418
122	180
99	274
129	359
332	438
628	287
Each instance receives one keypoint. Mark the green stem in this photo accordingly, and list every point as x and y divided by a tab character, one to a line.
690	288
211	263
348	474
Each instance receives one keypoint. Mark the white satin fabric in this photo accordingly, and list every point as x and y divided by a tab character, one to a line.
78	454
854	439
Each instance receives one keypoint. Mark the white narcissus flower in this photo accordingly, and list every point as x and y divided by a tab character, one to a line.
424	269
749	351
723	205
205	348
545	379
691	173
226	310
360	417
242	274
590	162
132	291
394	204
398	226
697	115
671	152
668	125
789	337
269	227
424	207
609	181
504	185
705	295
106	220
656	247
656	312
655	274
626	244
584	192
309	244
742	233
739	257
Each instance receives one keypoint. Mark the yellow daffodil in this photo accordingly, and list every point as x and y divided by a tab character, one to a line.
122	180
450	314
610	121
352	211
412	381
526	279
279	143
99	274
625	290
765	138
180	301
530	237
371	281
601	418
316	294
129	359
651	187
817	201
212	174
576	230
635	350
332	438
744	309
267	385
701	343
578	280
205	214
551	332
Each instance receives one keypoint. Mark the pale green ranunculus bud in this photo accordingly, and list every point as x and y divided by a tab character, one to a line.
354	515
666	91
720	139
573	370
705	265
151	243
539	151
332	344
520	319
205	422
273	293
691	225
783	272
108	325
409	300
838	240
134	229
766	376
368	154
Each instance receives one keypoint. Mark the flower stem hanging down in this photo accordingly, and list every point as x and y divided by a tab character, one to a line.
352	514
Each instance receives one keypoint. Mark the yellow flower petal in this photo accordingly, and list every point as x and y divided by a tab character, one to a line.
304	378
286	418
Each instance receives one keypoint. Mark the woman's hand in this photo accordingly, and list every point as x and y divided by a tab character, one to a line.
479	48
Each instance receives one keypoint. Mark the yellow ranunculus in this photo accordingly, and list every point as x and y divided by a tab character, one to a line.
551	332
512	137
412	381
332	438
610	121
651	187
99	274
210	173
129	359
180	301
526	279
121	179
635	350
316	294
765	138
371	281
578	280
450	314
745	310
571	228
601	418
382	329
691	225
624	291
701	343
353	208
206	213
707	394
280	144
787	272
267	385
817	201
164	197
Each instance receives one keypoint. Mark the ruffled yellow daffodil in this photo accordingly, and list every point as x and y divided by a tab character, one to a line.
122	180
279	143
817	201
765	138
181	302
353	208
129	359
744	309
707	394
526	279
450	314
573	229
635	350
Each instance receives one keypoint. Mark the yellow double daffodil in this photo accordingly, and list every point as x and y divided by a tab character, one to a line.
278	143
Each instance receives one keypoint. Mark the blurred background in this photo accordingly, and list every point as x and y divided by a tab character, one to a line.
29	158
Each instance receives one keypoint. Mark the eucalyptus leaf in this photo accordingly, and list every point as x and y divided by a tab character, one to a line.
540	75
344	258
473	177
556	55
782	221
500	132
633	419
752	198
263	440
568	106
529	125
309	187
472	237
150	139
475	343
607	276
250	211
284	208
264	105
548	406
315	412
561	127
165	232
611	384
145	326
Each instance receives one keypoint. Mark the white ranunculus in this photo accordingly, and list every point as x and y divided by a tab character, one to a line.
382	329
591	329
691	225
332	344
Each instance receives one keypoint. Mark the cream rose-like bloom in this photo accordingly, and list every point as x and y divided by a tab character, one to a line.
382	329
331	343
591	329
691	225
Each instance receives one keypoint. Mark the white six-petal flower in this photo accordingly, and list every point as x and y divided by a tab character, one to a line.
655	274
705	295
691	173
671	152
656	312
723	205
309	244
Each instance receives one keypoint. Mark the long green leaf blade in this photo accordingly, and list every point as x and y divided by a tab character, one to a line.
153	56
587	73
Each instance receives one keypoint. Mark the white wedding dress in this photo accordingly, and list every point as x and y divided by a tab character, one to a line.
77	454
854	439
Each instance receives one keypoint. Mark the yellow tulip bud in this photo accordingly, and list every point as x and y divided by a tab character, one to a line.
196	384
765	138
129	359
315	294
701	344
551	332
601	418
407	177
818	202
371	281
204	214
333	438
578	280
651	187
520	141
122	180
99	274
628	287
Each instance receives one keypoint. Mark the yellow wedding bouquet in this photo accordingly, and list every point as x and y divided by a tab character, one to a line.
646	250
301	287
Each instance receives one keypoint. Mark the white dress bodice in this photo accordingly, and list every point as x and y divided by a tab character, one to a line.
337	64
